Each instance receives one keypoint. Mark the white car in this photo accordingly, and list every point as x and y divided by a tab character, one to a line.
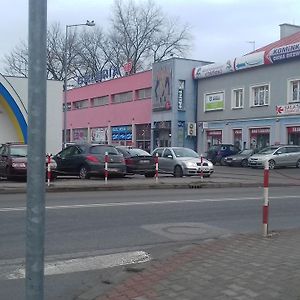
277	156
181	161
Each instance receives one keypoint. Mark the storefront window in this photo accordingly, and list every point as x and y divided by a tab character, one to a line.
143	136
80	135
294	135
259	138
214	137
237	138
122	135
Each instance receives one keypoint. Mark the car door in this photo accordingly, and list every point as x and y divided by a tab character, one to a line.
294	155
2	160
167	161
66	160
281	156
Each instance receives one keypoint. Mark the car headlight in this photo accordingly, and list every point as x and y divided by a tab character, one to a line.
190	164
18	165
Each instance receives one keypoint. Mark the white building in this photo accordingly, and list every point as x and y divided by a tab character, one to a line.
14	112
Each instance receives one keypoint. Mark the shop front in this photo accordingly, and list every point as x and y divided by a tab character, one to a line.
162	134
259	138
121	135
213	137
293	134
143	136
237	138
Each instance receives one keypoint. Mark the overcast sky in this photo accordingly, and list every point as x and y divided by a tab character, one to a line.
222	29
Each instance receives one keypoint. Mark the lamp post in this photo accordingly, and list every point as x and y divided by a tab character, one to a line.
65	67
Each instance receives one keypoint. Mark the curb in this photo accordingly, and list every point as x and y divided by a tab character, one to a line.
109	187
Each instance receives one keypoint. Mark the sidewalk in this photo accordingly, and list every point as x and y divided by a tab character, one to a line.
241	267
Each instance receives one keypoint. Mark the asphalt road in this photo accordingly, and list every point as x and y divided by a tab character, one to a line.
97	223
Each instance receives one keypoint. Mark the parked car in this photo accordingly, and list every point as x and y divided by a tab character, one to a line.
239	159
181	161
13	161
278	156
217	153
86	160
138	161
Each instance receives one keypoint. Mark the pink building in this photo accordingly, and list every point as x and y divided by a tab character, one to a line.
116	111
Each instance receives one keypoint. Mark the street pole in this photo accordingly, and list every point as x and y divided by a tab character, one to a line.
65	68
35	205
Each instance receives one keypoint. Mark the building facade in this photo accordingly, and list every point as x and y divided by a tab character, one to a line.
14	112
252	101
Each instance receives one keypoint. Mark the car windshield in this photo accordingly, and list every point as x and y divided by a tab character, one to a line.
185	152
268	150
102	149
137	152
246	152
18	151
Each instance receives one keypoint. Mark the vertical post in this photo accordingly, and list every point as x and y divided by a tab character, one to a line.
156	168
65	67
266	199
35	206
201	172
106	167
48	169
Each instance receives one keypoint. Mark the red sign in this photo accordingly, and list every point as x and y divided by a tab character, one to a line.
237	131
214	133
127	67
255	131
293	129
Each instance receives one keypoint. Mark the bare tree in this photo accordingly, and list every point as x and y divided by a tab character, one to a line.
143	34
140	34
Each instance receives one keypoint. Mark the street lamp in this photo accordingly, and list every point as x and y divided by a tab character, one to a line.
65	67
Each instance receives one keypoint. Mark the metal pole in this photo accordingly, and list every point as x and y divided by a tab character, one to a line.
65	87
266	199
35	213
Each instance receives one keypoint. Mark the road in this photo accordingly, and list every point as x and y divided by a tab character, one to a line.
83	225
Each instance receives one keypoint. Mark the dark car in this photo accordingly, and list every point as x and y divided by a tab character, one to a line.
239	159
138	161
86	160
217	153
13	161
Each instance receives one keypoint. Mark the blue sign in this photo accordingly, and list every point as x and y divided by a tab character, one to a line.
101	75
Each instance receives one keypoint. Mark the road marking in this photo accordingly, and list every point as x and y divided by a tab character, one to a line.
83	264
131	203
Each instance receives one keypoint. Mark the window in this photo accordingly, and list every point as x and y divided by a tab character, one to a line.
144	93
294	91
168	153
237	98
123	97
99	101
81	104
260	95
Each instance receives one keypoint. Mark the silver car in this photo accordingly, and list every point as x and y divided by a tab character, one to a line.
181	161
278	156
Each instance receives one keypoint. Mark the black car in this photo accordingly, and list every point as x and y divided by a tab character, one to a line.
86	160
138	161
240	159
217	153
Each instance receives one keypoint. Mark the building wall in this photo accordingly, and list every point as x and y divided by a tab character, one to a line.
14	108
248	118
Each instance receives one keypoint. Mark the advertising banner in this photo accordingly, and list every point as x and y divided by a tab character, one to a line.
282	53
98	135
288	109
213	69
249	61
214	101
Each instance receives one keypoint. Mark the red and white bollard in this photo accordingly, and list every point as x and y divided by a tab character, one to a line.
266	199
201	171
106	167
48	169
156	167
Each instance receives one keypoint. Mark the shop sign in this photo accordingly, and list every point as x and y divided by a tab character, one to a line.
214	132
294	129
260	131
288	109
237	131
214	101
102	75
283	53
180	103
213	69
121	133
249	61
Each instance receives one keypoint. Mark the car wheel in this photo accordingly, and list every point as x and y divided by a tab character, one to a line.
178	171
244	163
83	173
150	174
222	161
271	164
298	164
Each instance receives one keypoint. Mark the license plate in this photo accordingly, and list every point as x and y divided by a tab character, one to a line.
144	161
112	170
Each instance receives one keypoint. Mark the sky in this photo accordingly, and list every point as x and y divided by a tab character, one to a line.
221	29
